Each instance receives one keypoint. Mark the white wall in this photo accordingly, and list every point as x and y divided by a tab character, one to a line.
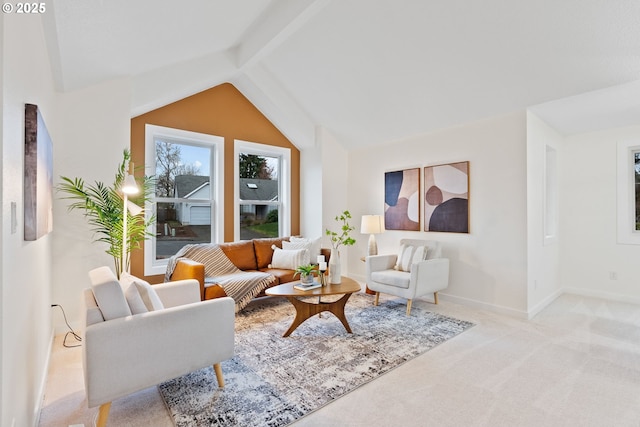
589	248
26	266
543	273
488	265
3	215
335	191
311	191
89	130
92	133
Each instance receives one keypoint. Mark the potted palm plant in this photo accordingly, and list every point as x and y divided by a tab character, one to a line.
305	272
103	206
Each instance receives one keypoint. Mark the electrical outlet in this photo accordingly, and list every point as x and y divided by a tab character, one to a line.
613	275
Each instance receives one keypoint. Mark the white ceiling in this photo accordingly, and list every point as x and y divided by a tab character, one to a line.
369	71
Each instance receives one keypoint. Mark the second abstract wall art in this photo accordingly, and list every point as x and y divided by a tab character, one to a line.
446	198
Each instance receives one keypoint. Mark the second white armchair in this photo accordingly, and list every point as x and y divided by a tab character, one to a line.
418	269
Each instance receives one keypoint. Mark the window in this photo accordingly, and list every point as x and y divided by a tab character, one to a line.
262	191
628	192
187	168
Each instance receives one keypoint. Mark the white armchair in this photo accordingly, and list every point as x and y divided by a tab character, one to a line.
411	273
124	353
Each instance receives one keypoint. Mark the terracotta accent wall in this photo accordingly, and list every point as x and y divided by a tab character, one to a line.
221	111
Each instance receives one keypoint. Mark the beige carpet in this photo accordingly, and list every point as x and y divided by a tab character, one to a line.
576	364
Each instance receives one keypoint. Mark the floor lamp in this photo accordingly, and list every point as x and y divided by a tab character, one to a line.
129	186
372	225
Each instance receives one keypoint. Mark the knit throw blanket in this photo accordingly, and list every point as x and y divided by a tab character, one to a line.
240	285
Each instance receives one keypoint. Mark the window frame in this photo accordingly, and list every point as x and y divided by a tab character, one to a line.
284	183
153	266
626	200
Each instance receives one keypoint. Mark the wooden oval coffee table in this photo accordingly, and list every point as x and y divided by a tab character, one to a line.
305	310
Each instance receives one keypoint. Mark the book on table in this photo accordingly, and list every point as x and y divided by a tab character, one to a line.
307	286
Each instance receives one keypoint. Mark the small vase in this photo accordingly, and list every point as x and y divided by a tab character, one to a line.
306	278
334	267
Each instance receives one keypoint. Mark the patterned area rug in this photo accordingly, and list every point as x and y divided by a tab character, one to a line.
273	381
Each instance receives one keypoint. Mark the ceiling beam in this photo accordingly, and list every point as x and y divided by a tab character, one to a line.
268	96
280	22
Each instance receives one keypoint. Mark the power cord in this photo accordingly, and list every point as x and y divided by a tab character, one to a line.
71	331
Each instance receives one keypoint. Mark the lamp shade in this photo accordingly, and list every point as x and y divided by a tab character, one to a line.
372	224
133	209
129	185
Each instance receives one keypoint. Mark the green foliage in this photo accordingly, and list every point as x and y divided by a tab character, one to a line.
253	166
268	229
304	270
272	216
342	237
103	207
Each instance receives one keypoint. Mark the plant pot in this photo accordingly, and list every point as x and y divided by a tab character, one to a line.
306	278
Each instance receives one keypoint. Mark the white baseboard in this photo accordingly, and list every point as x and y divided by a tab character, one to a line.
532	312
466	301
485	306
610	296
43	383
543	304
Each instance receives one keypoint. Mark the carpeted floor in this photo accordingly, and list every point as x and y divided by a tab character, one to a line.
274	381
577	363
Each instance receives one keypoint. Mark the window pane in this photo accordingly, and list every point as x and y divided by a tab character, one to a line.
259	177
636	158
182	170
258	221
180	224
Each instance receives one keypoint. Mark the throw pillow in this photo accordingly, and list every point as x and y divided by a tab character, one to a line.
398	265
264	251
140	295
288	246
108	294
314	250
420	254
407	257
288	259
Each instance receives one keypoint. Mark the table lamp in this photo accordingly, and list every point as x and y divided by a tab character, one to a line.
372	225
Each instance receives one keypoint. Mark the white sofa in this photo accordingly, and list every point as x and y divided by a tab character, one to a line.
124	352
419	276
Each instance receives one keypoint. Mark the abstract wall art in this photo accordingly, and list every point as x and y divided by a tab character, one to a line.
38	175
446	198
402	200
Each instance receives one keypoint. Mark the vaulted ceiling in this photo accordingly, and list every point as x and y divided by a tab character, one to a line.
369	71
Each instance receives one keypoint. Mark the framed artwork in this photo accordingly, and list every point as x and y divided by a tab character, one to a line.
446	198
38	175
402	200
